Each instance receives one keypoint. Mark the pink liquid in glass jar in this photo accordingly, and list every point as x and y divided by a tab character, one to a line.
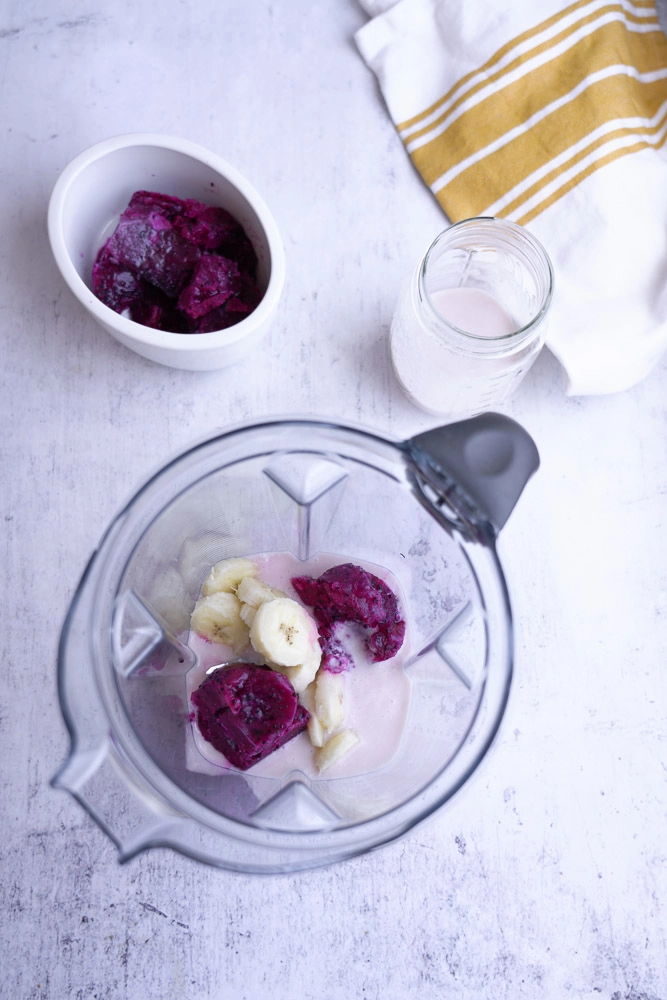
471	322
474	311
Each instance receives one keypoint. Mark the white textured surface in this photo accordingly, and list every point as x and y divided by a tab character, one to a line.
547	876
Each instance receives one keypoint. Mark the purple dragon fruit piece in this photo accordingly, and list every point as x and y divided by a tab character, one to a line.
208	227
247	711
386	641
349	593
212	282
120	289
116	285
335	657
144	203
197	256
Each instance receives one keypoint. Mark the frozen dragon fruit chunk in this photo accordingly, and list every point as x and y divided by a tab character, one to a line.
120	289
335	658
116	285
213	281
235	308
208	227
198	256
386	641
154	251
158	311
145	203
247	711
357	595
349	593
308	589
241	250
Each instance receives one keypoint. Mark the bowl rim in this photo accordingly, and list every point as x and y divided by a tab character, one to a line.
127	328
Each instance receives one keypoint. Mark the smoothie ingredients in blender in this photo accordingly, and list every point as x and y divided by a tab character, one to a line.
179	266
242	612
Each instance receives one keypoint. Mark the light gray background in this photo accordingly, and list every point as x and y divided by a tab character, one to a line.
547	876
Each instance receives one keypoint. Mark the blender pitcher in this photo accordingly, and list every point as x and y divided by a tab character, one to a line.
427	510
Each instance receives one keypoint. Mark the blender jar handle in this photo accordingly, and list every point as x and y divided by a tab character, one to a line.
479	466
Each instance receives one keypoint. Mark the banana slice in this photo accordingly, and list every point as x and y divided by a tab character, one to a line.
335	748
283	632
329	699
316	733
253	591
247	613
217	617
226	576
303	674
315	727
307	698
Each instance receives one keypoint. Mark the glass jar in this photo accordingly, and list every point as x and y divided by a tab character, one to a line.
472	319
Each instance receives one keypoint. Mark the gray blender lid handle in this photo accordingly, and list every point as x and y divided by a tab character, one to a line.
488	458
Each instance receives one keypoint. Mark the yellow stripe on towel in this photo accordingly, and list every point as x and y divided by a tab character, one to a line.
548	109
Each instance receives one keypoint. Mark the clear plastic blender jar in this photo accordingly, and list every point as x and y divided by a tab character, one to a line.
428	510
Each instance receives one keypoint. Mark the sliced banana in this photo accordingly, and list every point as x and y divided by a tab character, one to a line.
283	632
226	576
247	613
307	698
217	617
303	674
253	591
330	699
316	732
335	748
315	728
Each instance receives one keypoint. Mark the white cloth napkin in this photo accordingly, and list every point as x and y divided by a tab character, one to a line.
554	116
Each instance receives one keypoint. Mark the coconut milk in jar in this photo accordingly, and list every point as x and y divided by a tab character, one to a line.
472	320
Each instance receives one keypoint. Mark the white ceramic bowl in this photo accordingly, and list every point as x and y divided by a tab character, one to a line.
96	187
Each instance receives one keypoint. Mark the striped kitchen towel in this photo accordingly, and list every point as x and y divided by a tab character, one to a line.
554	116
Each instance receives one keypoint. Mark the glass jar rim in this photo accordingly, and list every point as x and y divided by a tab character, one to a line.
521	239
